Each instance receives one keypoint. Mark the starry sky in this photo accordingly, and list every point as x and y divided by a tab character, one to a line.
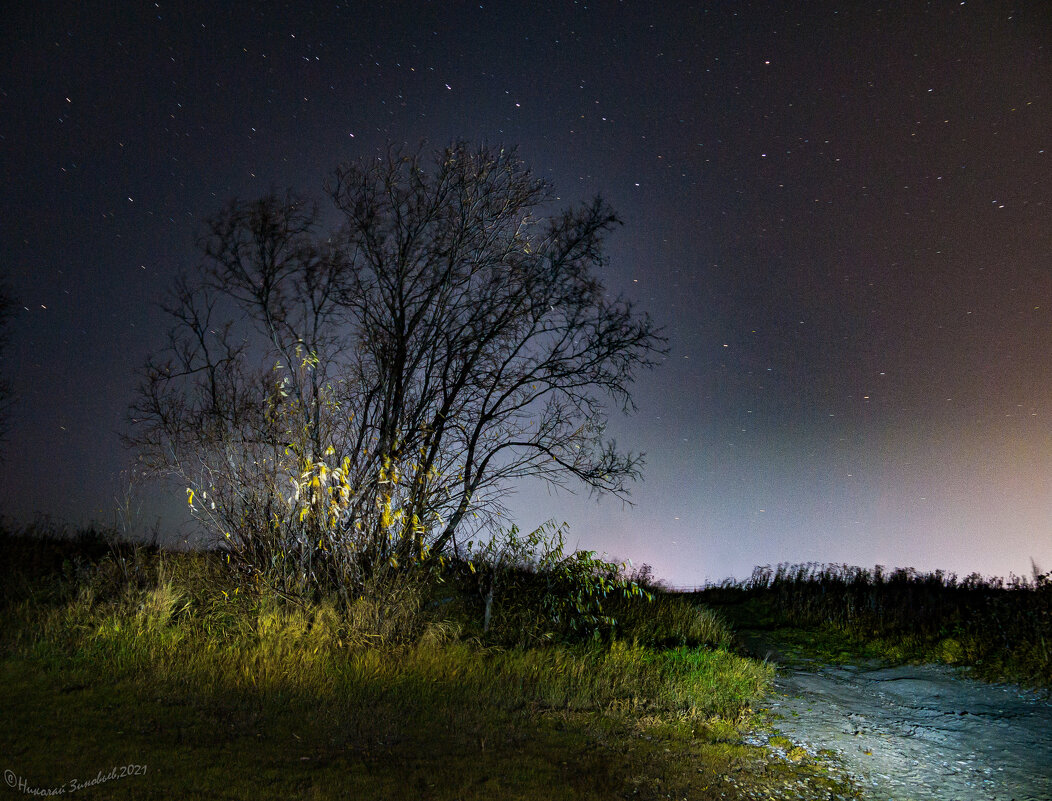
841	213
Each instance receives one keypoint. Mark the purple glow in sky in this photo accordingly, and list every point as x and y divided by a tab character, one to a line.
842	215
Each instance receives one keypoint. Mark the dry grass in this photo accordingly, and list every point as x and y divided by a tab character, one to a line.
1002	629
248	694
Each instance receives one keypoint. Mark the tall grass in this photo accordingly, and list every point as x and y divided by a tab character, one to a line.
1001	627
239	691
173	617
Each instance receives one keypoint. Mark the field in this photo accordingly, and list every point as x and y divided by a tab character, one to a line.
114	655
1000	630
129	672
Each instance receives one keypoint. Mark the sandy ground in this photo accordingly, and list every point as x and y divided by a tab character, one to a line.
921	732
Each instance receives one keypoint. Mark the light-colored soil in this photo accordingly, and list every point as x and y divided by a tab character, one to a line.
920	733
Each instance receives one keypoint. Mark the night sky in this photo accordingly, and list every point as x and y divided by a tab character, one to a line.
840	212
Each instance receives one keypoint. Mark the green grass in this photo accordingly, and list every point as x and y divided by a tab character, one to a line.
139	657
1001	630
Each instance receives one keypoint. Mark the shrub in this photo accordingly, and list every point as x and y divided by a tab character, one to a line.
531	589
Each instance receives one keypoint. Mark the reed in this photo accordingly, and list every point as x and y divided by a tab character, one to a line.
1000	627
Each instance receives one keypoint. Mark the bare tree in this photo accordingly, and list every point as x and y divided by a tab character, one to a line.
338	400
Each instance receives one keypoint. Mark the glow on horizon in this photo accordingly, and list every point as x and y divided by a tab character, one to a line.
961	504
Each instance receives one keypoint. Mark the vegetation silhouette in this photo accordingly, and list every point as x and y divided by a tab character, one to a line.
342	399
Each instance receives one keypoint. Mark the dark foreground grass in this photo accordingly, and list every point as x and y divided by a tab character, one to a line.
135	657
228	747
1001	629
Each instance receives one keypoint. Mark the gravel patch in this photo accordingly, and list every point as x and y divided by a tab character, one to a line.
921	733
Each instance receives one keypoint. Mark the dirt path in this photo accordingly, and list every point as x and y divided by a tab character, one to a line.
920	732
